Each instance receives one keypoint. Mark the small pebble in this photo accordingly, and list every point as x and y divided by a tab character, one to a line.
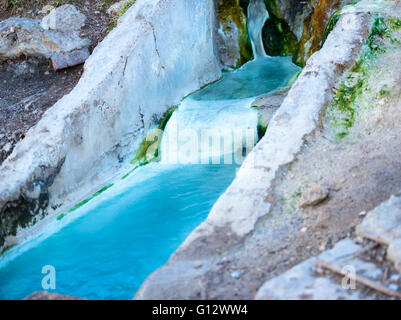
236	274
304	229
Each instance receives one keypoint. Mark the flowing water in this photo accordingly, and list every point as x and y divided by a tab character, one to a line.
106	249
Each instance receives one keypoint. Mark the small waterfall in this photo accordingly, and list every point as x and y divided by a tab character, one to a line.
257	16
217	122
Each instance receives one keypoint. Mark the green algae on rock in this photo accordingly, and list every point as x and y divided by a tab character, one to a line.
232	36
85	201
359	89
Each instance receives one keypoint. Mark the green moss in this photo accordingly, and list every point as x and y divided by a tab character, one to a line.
102	190
144	153
85	201
129	172
61	216
344	101
331	24
166	118
6	249
261	128
293	78
114	20
231	10
334	19
127	5
345	104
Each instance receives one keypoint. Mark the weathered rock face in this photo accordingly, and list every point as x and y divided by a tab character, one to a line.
313	28
22	36
64	19
297	27
384	226
232	38
165	51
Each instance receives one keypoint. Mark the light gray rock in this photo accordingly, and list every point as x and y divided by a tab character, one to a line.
66	18
47	9
313	195
70	59
302	282
383	225
21	36
116	8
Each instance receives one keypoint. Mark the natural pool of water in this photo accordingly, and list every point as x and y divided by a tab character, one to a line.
109	251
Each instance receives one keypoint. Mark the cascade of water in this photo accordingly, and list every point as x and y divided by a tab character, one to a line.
257	16
218	121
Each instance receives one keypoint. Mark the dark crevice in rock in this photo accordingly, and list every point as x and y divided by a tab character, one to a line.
30	206
278	39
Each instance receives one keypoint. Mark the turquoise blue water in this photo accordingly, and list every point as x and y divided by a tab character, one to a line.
108	252
253	79
127	232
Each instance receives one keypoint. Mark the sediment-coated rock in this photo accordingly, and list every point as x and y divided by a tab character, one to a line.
70	59
66	18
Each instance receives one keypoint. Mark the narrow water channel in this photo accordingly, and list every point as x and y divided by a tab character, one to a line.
116	240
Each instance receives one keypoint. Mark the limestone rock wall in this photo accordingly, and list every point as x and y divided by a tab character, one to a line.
161	51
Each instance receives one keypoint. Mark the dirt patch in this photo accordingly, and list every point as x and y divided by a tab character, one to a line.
27	89
29	86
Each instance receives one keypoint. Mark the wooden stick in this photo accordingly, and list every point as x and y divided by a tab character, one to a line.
366	282
357	253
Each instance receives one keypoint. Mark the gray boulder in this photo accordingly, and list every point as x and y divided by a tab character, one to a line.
57	35
64	19
22	36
